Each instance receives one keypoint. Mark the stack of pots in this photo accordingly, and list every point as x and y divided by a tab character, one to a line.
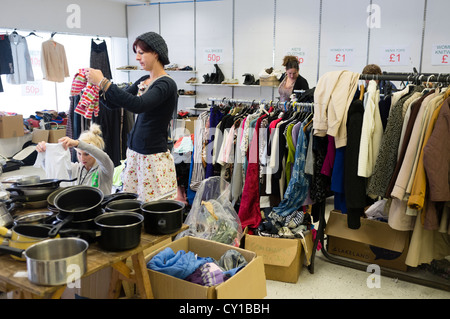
81	207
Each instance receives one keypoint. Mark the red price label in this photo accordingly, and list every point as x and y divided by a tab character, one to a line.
394	58
32	89
340	58
213	57
444	58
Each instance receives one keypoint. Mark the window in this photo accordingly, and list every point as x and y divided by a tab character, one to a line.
41	94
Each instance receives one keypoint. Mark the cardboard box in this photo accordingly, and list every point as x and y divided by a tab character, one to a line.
11	126
375	242
269	81
190	124
50	136
185	127
248	283
283	258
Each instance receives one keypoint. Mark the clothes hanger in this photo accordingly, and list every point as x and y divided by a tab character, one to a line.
33	33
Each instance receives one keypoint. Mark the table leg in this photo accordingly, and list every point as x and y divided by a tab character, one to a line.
142	278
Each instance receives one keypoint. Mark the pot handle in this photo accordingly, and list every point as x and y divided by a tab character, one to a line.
55	229
5	232
13	251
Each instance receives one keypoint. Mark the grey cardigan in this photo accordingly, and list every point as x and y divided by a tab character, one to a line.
100	175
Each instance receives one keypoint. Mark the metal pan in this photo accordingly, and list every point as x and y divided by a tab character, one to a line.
43	183
54	262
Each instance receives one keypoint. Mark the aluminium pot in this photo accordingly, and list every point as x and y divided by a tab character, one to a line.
163	216
54	262
119	230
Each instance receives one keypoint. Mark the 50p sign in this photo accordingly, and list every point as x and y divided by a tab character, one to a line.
213	56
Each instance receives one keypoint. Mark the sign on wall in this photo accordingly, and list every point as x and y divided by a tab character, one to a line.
394	56
440	54
300	53
341	56
213	56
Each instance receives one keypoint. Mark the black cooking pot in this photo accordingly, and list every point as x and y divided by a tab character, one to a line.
163	216
119	230
79	198
77	203
124	205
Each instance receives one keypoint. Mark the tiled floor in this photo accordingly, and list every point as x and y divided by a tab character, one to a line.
329	280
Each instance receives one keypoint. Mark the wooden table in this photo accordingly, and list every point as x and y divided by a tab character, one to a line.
97	259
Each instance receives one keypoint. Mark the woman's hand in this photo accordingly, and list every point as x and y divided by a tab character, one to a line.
41	147
94	76
67	142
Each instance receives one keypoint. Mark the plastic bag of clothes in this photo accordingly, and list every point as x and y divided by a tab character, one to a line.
212	216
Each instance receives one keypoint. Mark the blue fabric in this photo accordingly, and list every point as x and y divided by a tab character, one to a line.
179	265
297	189
190	194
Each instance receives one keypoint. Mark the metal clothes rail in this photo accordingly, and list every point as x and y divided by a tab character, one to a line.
417	276
261	102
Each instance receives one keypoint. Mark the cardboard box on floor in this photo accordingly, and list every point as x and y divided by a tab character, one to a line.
50	136
375	242
247	283
11	126
283	258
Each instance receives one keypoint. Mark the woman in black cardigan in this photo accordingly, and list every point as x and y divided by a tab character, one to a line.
291	80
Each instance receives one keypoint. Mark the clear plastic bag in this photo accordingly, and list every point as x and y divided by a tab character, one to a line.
212	215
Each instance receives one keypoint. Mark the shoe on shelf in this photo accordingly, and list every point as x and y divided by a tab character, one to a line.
200	106
171	67
189	92
205	78
186	68
230	81
192	80
249	79
219	75
127	67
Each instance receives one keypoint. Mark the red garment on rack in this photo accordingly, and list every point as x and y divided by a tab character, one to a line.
249	210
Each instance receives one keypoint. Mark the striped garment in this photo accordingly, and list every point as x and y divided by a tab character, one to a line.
89	101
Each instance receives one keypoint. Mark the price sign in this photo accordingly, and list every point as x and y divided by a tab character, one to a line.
299	53
394	56
213	56
440	54
340	56
32	89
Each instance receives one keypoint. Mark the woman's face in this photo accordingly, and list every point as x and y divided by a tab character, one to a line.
146	59
292	73
86	159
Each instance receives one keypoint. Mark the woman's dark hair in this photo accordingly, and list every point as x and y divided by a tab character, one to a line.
290	62
144	46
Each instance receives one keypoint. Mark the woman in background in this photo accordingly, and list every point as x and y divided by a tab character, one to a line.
291	80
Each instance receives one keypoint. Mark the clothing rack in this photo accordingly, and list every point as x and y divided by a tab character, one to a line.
285	105
410	77
416	276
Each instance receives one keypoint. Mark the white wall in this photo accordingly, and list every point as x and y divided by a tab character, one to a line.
95	17
257	34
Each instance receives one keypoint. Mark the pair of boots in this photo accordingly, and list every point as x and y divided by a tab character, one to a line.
214	78
250	79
